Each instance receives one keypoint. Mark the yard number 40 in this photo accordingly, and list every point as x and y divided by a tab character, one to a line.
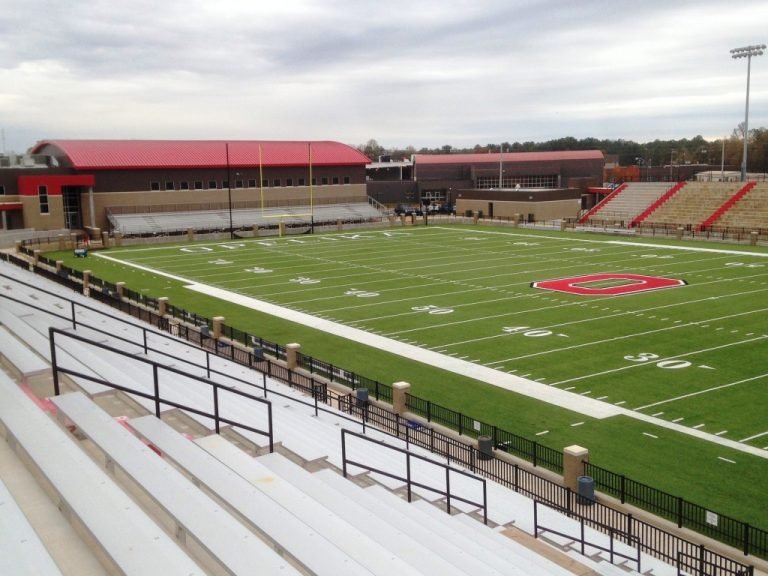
651	357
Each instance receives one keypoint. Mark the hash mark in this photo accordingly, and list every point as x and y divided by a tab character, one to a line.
726	460
678	419
650	435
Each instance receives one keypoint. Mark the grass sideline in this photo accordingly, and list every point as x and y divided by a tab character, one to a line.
725	480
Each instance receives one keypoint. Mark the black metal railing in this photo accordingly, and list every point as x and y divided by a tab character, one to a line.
448	471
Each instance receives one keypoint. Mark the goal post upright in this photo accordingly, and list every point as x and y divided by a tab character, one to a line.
311	194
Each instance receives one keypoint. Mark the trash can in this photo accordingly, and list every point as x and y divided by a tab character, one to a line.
204	330
258	354
485	448
586	490
362	396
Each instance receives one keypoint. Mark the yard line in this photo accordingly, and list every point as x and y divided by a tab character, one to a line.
676	420
698	426
640	364
576	424
650	435
726	460
753	437
542	433
721	432
698	393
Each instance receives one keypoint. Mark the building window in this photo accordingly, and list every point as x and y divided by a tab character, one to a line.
212	184
198	184
252	183
2	190
225	184
335	179
265	183
346	180
154	185
324	180
184	185
238	183
314	181
289	182
302	182
42	194
169	185
276	182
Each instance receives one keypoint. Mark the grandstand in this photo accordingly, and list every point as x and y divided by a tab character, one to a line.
145	223
731	208
155	455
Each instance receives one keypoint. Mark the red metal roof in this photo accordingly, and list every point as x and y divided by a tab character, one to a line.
138	154
494	157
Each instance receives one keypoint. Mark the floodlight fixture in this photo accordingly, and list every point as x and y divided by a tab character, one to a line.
747	52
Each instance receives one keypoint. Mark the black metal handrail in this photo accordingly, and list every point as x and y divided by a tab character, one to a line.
410	483
216	389
582	540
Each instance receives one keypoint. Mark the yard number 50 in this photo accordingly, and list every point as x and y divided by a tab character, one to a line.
650	357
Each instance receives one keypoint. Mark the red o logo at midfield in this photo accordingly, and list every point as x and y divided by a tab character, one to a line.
609	284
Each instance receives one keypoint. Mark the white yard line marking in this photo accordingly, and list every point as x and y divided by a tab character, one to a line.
747	439
542	433
721	432
706	391
678	420
698	426
577	424
726	460
650	435
657	414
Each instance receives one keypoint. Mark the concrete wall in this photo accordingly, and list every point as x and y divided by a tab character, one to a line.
553	210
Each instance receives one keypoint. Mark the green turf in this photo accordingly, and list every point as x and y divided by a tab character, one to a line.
692	354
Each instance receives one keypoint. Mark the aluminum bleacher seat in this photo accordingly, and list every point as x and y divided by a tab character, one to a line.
130	541
304	532
226	542
21	551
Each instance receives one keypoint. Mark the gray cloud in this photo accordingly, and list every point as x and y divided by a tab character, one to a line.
428	73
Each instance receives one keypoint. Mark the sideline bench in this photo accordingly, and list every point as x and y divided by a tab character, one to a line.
22	553
125	536
196	515
319	549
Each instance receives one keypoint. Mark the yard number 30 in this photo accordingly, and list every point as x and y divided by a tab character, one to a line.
650	357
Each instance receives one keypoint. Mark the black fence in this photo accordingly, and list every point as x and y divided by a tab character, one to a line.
733	532
685	514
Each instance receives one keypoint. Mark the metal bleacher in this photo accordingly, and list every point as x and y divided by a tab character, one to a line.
154	498
242	218
630	202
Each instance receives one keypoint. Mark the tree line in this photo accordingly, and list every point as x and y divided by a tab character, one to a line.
696	150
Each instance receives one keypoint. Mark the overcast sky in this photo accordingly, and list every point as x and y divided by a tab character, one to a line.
420	73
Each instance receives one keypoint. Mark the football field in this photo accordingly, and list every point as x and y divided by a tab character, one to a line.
671	335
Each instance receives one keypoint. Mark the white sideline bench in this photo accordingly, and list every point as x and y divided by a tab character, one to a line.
221	535
320	554
21	551
20	359
123	532
434	555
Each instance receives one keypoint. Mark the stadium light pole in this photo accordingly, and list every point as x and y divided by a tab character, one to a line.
747	52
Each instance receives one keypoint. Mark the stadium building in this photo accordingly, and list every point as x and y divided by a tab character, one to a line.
81	183
536	185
